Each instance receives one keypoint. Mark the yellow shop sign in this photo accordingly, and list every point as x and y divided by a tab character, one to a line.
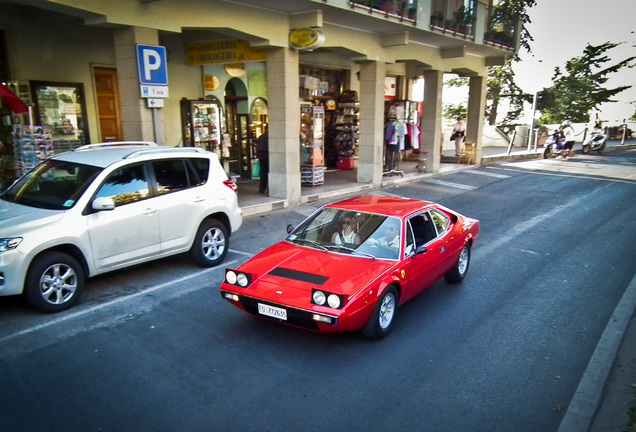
306	39
223	51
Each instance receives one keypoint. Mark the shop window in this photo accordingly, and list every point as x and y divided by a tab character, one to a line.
4	62
61	112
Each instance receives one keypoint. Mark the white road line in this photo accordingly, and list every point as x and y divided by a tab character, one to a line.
91	310
451	184
487	174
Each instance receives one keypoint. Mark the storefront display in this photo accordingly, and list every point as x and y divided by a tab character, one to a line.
312	169
61	111
346	134
202	122
31	145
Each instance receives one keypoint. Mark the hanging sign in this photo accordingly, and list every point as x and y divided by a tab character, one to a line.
223	51
306	39
210	82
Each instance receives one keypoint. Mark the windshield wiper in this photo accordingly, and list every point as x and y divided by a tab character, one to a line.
351	250
311	242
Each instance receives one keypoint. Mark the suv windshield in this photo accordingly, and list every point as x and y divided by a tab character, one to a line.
53	185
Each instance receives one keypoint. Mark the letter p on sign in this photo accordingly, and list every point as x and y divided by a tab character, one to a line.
151	62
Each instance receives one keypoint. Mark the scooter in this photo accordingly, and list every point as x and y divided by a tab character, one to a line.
596	142
553	146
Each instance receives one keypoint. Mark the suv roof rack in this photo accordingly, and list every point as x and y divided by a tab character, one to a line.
116	144
163	149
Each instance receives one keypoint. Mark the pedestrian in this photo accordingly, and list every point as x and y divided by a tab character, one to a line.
262	152
459	132
568	138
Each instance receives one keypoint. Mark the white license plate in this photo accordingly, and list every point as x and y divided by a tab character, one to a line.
271	311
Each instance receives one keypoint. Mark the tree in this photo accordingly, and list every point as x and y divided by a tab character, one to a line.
501	86
580	88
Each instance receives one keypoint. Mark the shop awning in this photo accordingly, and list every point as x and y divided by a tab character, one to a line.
12	101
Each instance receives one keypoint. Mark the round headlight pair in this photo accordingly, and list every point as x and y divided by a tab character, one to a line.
332	300
234	278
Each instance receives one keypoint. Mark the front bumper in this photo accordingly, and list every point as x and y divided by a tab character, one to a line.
302	318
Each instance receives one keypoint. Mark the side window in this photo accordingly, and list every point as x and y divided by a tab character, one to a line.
409	246
126	185
441	221
423	229
170	175
201	169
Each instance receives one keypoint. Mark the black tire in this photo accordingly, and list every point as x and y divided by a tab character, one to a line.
547	153
210	244
381	320
460	269
54	282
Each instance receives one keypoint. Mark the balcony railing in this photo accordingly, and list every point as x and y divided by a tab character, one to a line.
459	21
402	9
502	30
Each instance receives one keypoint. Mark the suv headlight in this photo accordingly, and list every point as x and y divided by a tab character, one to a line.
9	243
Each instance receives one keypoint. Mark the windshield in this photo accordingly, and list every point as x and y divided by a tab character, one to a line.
357	233
53	185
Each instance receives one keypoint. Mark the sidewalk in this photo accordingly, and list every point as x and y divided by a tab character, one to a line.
607	390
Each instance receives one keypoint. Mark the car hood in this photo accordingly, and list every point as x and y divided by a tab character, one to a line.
16	218
286	271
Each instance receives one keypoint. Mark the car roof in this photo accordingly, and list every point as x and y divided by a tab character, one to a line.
382	204
105	154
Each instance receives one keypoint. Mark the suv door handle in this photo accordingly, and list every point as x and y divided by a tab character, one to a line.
149	211
199	198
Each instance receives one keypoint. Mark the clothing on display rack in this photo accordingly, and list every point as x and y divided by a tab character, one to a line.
395	132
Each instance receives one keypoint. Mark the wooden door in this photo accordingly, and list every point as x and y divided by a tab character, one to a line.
108	109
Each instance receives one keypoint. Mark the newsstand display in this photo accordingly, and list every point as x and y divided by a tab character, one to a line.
202	124
312	169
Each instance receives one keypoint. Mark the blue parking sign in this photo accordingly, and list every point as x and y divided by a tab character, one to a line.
152	65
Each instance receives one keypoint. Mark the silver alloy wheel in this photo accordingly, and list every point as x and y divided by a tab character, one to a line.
213	243
462	264
387	310
58	284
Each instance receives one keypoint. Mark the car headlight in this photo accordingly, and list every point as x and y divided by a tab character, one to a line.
333	301
9	243
235	277
323	298
319	297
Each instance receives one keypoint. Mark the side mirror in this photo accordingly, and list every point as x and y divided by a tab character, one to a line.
103	203
290	228
420	250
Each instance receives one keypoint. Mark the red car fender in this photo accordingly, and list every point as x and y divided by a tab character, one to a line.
364	303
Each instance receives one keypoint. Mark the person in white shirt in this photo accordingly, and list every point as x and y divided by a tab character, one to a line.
569	137
347	232
459	132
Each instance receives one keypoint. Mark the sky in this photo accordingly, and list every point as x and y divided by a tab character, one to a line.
562	28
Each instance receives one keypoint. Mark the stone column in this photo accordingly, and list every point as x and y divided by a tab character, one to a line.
371	122
137	119
431	120
284	124
476	112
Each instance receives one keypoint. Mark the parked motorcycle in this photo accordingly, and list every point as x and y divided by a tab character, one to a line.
553	145
596	142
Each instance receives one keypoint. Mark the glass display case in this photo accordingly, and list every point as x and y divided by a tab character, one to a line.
202	124
312	169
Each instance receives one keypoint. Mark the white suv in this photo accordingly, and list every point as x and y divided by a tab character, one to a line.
106	206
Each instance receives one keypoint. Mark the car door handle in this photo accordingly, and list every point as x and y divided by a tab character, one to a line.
149	211
199	199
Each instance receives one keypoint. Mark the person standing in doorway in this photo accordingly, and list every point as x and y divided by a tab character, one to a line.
459	132
262	152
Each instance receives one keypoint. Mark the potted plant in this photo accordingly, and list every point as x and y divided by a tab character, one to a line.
437	19
462	20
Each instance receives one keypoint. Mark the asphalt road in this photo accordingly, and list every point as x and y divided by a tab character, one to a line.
156	348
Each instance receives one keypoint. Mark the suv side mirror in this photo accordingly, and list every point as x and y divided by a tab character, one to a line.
103	203
290	228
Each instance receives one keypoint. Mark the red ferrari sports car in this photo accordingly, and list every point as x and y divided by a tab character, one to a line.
350	264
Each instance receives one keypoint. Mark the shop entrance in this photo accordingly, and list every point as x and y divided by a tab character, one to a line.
106	89
240	160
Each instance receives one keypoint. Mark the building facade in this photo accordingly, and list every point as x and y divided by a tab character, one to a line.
325	78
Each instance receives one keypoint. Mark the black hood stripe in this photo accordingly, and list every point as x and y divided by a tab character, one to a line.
299	276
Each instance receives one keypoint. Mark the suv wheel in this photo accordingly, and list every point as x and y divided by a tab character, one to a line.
210	244
54	282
